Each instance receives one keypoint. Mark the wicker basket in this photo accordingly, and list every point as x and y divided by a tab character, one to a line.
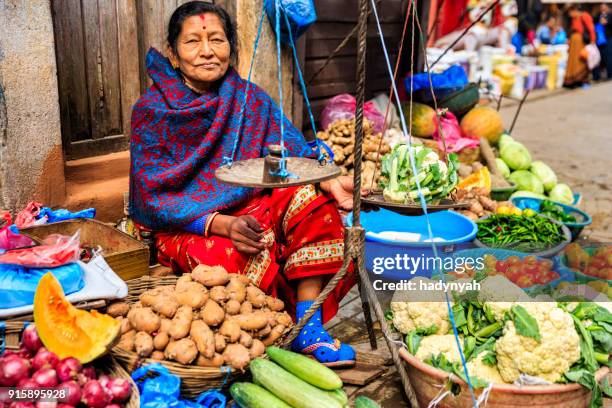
107	364
194	379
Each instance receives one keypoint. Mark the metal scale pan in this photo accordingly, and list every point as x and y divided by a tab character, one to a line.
258	172
376	200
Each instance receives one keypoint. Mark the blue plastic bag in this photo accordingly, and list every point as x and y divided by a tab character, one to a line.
62	214
453	77
18	283
161	389
301	15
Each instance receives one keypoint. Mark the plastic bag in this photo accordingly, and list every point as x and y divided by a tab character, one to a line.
56	250
36	214
28	216
301	15
343	107
161	389
453	77
18	283
593	56
452	134
10	238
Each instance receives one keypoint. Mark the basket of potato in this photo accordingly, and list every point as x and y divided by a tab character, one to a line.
202	325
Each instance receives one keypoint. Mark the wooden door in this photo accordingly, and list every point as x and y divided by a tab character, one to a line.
98	73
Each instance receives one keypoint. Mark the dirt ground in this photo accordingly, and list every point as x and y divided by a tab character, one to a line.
572	132
569	130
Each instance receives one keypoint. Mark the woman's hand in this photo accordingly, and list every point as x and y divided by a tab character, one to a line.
341	188
245	232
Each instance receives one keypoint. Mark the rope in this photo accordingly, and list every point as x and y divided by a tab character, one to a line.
480	17
230	160
277	10
397	64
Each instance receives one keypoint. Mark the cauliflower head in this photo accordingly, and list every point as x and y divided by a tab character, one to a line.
408	316
437	344
551	357
476	368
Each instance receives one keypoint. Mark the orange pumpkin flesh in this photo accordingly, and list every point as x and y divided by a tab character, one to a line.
68	331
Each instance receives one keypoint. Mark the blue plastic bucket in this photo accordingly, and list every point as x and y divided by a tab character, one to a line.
395	260
582	219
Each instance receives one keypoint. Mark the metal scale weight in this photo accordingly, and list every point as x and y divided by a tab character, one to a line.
277	170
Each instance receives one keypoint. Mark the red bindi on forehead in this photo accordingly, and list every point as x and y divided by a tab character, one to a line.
203	18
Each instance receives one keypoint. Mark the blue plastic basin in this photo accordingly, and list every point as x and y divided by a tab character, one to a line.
455	230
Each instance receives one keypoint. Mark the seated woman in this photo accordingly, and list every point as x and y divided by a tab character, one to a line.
289	241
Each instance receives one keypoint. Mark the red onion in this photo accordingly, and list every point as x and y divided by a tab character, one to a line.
25	353
95	396
44	359
22	404
28	384
46	377
46	404
120	388
8	353
30	339
90	372
63	405
73	392
13	369
104	380
68	369
113	406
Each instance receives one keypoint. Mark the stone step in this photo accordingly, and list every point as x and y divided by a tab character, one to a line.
98	182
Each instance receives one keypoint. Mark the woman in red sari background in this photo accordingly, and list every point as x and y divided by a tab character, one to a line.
287	241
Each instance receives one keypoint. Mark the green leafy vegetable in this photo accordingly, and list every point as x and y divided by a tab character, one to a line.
546	175
490	359
606	387
516	155
525	324
556	212
562	193
526	181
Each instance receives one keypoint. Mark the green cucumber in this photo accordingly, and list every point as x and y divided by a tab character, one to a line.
305	368
249	395
364	402
340	396
289	388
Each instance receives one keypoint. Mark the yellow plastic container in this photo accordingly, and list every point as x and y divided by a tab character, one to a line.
552	62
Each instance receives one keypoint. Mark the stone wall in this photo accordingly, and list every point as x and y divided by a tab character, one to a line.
31	158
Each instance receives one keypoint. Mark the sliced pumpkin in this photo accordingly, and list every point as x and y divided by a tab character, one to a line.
68	331
479	179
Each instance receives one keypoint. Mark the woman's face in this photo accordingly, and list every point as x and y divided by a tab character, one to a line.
203	51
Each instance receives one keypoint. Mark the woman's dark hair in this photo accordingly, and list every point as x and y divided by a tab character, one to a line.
195	8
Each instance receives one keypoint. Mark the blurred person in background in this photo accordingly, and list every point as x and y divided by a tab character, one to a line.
603	31
552	32
581	33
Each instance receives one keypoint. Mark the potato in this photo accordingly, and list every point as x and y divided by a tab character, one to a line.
252	321
242	278
144	319
219	343
232	307
236	290
143	343
118	309
231	330
256	296
275	304
161	341
218	294
127	341
237	356
161	301
212	313
264	332
165	325
158	355
210	275
183	351
246	307
183	281
192	294
284	319
275	334
125	324
203	337
270	315
245	339
216	361
181	323
257	348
